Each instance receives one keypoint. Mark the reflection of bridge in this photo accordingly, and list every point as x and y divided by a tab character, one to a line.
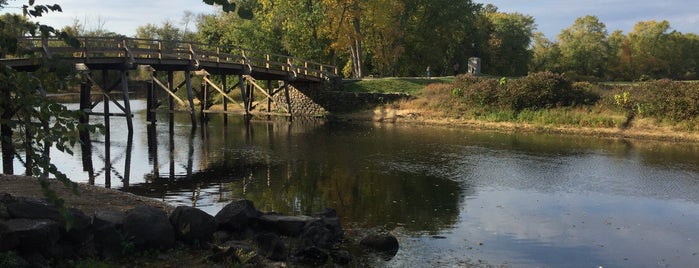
123	54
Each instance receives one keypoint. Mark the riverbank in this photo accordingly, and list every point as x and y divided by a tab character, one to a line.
643	129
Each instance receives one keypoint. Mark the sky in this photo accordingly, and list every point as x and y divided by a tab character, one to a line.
551	16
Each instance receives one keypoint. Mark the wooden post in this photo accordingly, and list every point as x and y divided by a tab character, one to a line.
151	101
85	102
288	97
190	96
225	91
269	92
107	136
241	82
127	102
171	87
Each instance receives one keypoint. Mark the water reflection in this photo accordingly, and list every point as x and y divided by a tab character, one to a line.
453	196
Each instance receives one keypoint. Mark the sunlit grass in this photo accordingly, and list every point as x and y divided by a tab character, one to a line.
412	86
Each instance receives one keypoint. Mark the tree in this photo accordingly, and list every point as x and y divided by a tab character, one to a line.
438	33
45	123
648	40
584	47
509	43
545	55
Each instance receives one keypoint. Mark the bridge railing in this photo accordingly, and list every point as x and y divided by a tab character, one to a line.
134	48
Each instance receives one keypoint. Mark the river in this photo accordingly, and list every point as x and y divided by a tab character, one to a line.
453	197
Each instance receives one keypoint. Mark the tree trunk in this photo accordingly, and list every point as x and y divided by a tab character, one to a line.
357	60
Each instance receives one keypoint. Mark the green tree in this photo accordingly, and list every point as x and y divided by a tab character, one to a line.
648	40
45	123
509	43
438	33
584	47
545	55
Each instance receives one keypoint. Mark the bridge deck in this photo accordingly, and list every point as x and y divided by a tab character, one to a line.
128	53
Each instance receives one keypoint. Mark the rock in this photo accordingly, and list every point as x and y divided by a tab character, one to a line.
316	234
10	240
271	246
192	225
34	235
341	257
332	222
108	242
221	236
81	229
311	256
385	243
284	225
33	209
324	233
108	217
236	215
148	228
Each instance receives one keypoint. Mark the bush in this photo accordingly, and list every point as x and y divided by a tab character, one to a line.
545	90
666	99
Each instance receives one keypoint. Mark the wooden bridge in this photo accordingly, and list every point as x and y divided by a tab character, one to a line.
101	55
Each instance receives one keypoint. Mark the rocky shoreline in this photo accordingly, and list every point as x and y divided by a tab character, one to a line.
35	234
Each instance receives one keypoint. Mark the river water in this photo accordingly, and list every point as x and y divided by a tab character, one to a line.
453	197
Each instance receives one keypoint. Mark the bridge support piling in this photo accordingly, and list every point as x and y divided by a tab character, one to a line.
171	87
190	96
224	82
269	93
241	82
288	97
204	103
85	102
107	136
127	102
151	102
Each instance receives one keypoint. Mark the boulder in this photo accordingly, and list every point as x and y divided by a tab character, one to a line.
325	232
236	215
284	225
341	257
270	246
81	229
383	243
332	222
107	237
108	242
33	209
148	228
311	256
108	217
10	240
34	235
192	225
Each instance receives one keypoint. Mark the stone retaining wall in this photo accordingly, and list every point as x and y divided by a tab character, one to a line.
316	100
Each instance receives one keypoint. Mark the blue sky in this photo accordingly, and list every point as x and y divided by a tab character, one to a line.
552	16
124	16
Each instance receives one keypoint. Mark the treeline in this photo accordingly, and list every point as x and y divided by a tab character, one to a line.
404	37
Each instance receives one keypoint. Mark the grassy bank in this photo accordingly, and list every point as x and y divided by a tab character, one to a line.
549	102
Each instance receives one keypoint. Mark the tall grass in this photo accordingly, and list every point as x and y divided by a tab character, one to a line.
551	100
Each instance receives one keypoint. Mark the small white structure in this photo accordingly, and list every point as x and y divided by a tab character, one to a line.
474	66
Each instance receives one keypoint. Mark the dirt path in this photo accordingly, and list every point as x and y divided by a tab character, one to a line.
91	198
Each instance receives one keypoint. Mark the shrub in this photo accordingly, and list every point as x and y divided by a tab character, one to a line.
538	91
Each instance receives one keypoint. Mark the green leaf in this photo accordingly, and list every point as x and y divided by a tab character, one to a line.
31	2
